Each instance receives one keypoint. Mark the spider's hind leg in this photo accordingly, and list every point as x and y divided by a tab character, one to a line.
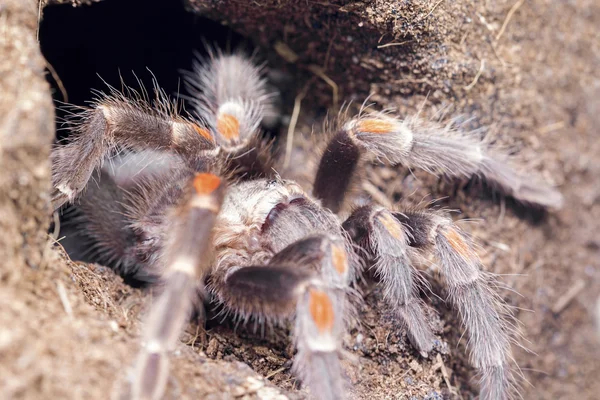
386	242
388	235
98	229
489	324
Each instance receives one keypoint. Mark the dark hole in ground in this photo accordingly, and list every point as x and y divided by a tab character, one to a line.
126	39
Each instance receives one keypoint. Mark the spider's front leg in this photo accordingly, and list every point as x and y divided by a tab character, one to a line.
483	313
308	280
231	106
425	145
186	259
116	122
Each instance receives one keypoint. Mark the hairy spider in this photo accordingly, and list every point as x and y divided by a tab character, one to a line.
211	216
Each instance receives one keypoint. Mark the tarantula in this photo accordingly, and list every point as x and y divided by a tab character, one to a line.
216	221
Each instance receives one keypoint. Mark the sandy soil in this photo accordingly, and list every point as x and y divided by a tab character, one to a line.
525	72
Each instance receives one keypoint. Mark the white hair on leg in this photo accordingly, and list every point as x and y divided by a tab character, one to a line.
446	150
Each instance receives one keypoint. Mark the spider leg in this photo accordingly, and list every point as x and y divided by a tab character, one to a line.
308	279
230	92
116	220
232	105
386	241
336	170
483	312
117	122
98	228
186	259
416	143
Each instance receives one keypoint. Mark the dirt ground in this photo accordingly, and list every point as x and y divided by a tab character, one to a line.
526	72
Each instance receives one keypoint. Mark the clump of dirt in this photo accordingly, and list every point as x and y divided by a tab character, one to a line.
71	331
524	72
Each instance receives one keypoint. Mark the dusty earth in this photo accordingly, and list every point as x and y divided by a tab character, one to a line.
525	72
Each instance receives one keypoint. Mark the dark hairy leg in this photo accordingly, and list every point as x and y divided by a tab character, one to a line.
424	145
387	236
117	122
386	243
308	280
97	227
489	324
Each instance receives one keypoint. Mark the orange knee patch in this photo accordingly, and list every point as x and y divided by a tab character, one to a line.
206	183
376	126
321	310
203	132
228	126
340	261
458	243
391	225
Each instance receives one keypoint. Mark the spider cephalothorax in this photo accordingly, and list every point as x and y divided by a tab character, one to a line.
210	215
